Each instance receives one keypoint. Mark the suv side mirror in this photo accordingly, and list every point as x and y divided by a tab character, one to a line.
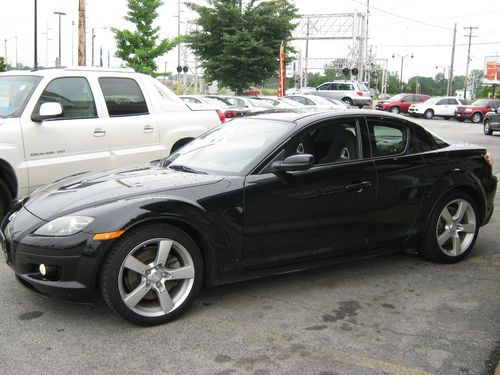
297	162
48	111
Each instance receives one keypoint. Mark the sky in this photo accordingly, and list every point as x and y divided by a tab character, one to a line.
423	28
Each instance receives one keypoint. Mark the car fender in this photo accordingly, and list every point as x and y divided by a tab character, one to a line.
455	179
187	215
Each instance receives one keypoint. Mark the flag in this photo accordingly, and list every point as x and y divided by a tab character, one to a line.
281	74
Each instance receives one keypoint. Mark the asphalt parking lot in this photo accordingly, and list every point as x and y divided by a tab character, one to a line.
396	314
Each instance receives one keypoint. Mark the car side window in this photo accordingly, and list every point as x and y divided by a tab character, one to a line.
329	142
442	102
388	138
453	102
74	95
123	97
462	101
326	86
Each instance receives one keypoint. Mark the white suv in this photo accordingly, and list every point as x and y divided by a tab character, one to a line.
353	93
58	122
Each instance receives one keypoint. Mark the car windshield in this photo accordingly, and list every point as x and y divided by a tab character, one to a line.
397	98
432	100
231	149
260	103
14	92
321	101
481	102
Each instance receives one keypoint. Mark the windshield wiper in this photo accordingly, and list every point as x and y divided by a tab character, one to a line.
184	168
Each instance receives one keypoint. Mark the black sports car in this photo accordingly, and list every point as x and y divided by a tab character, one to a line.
258	196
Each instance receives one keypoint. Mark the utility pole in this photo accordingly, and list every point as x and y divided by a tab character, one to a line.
450	77
5	53
307	53
93	37
35	62
178	46
466	81
81	34
59	14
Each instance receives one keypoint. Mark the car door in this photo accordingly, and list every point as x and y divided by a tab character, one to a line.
320	212
74	142
452	105
132	131
401	174
441	107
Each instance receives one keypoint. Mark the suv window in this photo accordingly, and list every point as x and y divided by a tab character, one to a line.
123	97
326	86
74	95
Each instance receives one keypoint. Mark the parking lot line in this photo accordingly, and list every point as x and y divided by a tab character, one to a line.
484	261
316	351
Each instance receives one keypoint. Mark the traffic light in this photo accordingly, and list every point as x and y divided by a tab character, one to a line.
179	69
355	71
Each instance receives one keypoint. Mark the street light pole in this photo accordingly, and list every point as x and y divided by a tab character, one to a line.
5	53
401	72
35	62
59	57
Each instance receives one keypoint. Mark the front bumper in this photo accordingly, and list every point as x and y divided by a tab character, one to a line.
74	260
466	116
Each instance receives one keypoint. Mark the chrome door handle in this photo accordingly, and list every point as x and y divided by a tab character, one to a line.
148	129
98	132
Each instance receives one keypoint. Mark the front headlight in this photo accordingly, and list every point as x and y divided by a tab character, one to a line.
64	226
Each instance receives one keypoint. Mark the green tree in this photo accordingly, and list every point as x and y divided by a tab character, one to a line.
3	67
393	83
140	47
239	46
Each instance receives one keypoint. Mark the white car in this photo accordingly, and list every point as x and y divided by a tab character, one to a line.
59	122
442	106
251	104
317	102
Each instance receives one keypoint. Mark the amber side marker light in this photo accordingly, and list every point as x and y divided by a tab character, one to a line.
107	236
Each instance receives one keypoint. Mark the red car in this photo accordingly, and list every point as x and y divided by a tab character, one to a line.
400	103
477	110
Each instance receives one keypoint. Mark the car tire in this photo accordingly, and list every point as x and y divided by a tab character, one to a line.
446	117
476	118
452	228
487	128
395	110
428	114
460	119
5	200
348	101
152	274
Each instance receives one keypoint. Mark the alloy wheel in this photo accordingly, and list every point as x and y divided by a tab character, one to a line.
156	277
456	227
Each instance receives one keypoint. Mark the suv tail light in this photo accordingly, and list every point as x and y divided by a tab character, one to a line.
222	118
359	93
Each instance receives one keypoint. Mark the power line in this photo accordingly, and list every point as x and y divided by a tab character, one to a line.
436	45
403	17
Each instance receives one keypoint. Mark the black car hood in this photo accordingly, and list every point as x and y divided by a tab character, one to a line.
93	189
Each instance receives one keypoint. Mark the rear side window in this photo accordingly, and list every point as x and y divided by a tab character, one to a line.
388	138
74	95
123	97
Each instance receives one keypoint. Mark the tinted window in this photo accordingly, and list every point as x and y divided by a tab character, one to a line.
326	86
74	94
230	150
442	102
123	97
388	138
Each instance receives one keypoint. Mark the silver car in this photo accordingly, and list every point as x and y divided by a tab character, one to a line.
352	93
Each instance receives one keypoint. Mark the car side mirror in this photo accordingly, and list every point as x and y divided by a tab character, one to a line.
48	111
297	162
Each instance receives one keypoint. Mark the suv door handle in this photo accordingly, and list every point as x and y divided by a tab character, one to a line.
98	132
148	129
358	187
